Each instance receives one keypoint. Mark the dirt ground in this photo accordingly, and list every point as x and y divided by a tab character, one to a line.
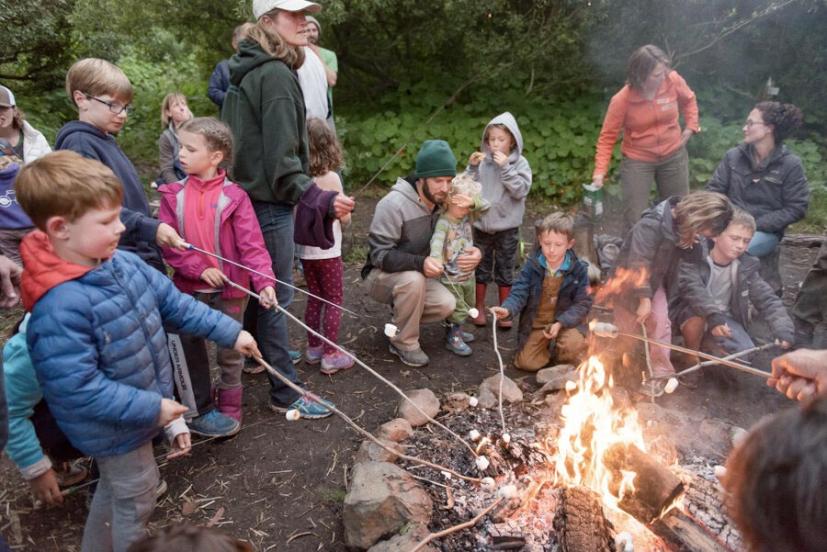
281	484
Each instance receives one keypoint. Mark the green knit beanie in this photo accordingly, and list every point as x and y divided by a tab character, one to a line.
435	158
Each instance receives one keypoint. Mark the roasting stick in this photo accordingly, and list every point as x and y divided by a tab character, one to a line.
358	361
263	275
604	329
733	356
502	374
649	364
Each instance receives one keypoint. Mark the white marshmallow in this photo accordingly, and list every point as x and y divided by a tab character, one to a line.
473	401
391	330
671	385
482	463
506	438
571	386
507	491
445	474
488	483
473	313
292	415
474	435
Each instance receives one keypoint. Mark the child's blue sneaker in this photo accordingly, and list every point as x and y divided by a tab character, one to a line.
295	356
307	407
454	342
214	424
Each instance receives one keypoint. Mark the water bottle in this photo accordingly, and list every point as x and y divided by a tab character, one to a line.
593	199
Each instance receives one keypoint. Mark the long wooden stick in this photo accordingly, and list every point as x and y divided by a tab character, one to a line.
360	363
706	363
718	360
445	532
502	369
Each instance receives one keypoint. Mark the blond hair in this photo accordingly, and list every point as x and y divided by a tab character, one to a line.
65	184
273	44
464	184
558	222
166	105
743	218
98	77
701	212
217	134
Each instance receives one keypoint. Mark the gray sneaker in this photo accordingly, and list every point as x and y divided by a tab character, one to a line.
416	358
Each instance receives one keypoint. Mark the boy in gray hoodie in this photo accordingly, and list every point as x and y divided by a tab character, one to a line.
505	176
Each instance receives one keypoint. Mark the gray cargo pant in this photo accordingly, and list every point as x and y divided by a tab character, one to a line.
670	175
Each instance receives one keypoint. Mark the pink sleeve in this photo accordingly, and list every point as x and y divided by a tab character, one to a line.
189	264
612	125
687	102
251	249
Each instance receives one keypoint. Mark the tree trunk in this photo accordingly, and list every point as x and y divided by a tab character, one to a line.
580	523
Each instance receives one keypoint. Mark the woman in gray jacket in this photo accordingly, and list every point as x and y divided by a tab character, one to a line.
763	177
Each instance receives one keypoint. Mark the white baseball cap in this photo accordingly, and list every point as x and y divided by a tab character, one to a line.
6	97
260	7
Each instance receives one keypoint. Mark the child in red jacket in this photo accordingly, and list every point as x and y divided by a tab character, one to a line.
216	215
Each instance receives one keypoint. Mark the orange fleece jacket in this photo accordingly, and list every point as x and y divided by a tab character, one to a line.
651	129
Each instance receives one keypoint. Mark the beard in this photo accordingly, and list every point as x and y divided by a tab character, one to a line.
426	191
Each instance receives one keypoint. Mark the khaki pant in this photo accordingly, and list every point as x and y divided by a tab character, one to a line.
415	299
569	347
670	176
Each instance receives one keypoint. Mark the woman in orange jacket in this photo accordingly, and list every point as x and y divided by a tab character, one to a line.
646	110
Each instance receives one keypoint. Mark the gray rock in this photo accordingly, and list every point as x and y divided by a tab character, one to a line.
557	381
456	402
371	452
381	499
511	392
486	398
405	541
395	430
546	375
425	400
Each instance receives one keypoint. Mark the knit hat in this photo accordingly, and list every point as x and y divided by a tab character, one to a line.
260	7
311	19
6	97
435	158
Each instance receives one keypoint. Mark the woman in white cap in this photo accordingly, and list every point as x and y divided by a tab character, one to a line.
264	107
18	137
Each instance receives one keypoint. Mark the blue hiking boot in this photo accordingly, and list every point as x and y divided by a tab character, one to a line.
214	424
455	343
307	407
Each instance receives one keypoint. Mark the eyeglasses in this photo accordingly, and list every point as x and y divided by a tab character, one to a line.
114	107
750	123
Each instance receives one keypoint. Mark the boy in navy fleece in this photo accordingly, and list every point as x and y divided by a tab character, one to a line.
552	297
102	93
96	338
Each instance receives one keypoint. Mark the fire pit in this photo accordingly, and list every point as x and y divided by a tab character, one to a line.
579	469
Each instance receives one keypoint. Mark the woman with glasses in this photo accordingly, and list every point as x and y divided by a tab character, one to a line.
646	111
17	137
763	177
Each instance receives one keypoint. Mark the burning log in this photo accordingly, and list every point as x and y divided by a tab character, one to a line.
655	487
580	523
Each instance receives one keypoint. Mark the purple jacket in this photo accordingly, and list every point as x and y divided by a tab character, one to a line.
239	239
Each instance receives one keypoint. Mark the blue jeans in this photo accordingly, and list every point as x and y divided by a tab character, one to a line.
762	244
740	340
276	222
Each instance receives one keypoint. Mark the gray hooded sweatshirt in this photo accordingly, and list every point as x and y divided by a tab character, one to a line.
504	188
400	232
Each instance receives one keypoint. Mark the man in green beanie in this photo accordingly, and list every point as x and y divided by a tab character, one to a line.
399	271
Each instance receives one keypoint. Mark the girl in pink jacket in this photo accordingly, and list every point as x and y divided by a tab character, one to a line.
216	215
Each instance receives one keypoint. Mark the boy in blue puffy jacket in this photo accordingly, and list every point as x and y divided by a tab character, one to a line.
96	338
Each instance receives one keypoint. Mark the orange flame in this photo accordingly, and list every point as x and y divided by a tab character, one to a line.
622	281
591	425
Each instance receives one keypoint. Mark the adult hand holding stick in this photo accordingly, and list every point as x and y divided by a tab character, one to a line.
800	374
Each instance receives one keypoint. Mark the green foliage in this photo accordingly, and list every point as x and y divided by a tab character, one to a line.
559	136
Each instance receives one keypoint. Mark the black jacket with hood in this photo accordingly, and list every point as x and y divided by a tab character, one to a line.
775	192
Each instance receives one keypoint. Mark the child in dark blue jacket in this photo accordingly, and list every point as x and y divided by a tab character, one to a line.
552	297
96	338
